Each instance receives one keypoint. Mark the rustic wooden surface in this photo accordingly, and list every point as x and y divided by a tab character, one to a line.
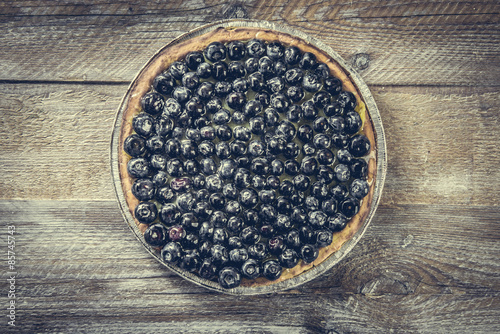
429	262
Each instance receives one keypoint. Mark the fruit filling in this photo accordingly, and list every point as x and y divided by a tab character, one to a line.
246	158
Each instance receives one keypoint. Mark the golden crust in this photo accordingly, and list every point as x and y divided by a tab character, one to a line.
171	53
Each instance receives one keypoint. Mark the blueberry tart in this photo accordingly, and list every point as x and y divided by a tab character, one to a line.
248	158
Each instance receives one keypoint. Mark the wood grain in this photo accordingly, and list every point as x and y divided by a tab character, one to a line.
390	43
408	274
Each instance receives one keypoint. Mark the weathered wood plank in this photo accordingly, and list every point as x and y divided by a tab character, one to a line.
403	43
55	142
80	267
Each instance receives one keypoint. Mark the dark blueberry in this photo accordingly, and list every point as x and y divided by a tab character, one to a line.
311	203
329	207
317	219
280	68
307	234
169	214
276	145
324	238
334	109
292	239
214	183
218	219
297	198
178	131
207	133
243	161
301	182
288	258
275	85
286	188
158	161
215	51
340	140
342	172
282	223
325	156
193	59
184	120
252	65
279	102
268	213
264	98
233	208
153	103
292	55
353	122
333	85
344	156
266	67
134	145
224	132
206	231
202	210
291	150
259	166
349	207
337	222
182	94
308	149
267	196
242	133
190	261
181	184
238	117
190	80
143	124
257	125
258	182
164	83
202	195
309	111
160	179
347	100
359	169
138	167
236	50
337	124
359	145
220	236
308	253
276	245
164	125
236	100
321	99
295	94
320	124
275	50
235	225
309	166
248	198
267	230
242	178
219	254
258	251
143	189
271	117
305	133
201	122
325	174
171	252
250	235
208	269
227	168
271	269
286	130
240	85
222	88
186	202
234	242
339	192
174	167
311	83
208	166
277	167
238	148
256	48
176	233
294	113
251	269
206	90
146	212
217	201
194	134
155	144
156	235
189	149
294	76
238	255
221	117
220	71
204	70
235	70
272	182
359	188
319	190
256	81
252	108
307	61
322	140
177	69
322	71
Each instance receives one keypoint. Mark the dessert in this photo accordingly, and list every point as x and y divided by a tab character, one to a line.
246	156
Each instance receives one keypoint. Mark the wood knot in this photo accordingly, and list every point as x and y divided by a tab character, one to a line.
361	61
234	11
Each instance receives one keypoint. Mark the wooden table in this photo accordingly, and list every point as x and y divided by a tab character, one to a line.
429	261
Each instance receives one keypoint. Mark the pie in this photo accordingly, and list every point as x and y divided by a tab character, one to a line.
246	156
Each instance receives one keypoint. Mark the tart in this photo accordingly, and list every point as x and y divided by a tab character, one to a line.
247	157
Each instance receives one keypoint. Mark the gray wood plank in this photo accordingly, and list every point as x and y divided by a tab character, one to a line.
404	43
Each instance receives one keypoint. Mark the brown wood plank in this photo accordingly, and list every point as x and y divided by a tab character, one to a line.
55	142
402	43
418	268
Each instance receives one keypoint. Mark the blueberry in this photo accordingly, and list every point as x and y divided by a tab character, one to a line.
307	235
206	90
275	85
208	269
288	258
322	140
138	167
280	67
272	182
182	94
176	233
169	214
202	194
344	156
236	50
322	70
258	182
319	190
339	192
305	133
143	124
333	85
311	203
214	183
301	182
171	252
294	76
309	253
191	243
324	238
220	236
334	109
286	188
242	133
177	69
359	188
252	65
229	278
227	168
155	144
198	181
208	166
218	219
294	93
266	67
181	185
286	130
221	117
238	255
311	82
248	198
279	102
282	223
353	122
271	117
267	196
317	219
297	198
329	207
160	179
292	55
146	212
233	208
158	161
193	59
256	81
219	254
236	100
349	207
190	261
340	140
307	61
204	70
143	189
164	125
342	172
240	85
258	250
259	166
235	225
275	50
238	148
321	99
291	151
257	125
153	103
264	98
292	239
250	235
224	132
275	145
215	51
276	245
268	213
190	80
308	149
337	222
271	270
164	83
251	269
242	178
206	231
359	169
359	145
202	210
236	70
234	242
309	110
189	149
325	156
156	235
347	100
222	88
186	202
220	71
189	222
134	145
256	48
309	166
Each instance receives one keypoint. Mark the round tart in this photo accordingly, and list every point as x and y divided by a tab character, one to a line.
247	157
